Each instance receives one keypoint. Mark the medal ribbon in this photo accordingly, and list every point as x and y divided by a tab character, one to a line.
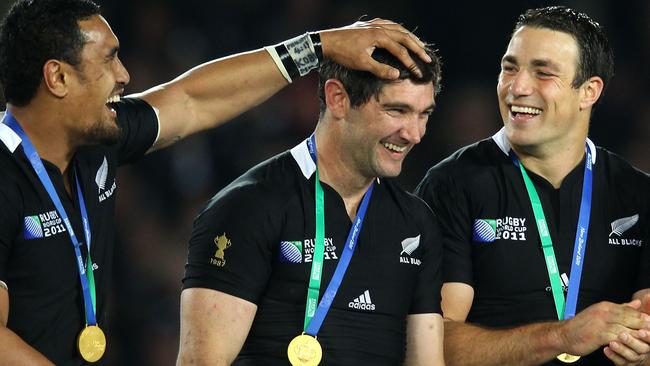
579	246
314	317
85	275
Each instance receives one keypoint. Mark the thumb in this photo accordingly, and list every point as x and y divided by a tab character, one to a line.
634	304
645	304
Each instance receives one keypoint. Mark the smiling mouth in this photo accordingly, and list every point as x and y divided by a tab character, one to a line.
393	147
527	111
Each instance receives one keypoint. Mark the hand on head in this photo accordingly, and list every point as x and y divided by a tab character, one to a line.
368	35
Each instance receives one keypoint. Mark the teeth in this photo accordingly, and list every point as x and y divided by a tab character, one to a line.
396	148
527	110
113	99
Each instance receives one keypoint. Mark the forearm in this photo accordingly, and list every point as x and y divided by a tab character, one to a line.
469	345
16	352
424	338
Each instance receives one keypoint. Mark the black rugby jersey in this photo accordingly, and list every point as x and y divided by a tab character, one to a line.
37	259
255	241
491	240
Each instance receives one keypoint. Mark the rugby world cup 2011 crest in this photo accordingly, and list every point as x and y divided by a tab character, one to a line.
506	228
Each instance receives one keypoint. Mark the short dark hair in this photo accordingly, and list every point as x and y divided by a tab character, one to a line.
33	32
361	85
595	57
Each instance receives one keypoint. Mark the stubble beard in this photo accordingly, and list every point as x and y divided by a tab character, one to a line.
104	133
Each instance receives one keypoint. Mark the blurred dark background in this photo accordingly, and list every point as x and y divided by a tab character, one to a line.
159	197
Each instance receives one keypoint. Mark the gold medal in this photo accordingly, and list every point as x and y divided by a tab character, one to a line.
567	358
91	343
304	350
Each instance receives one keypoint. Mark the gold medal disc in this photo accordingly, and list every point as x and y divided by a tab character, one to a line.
567	358
91	343
304	350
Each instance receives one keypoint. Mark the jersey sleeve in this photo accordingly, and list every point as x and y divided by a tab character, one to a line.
230	248
450	206
139	125
427	296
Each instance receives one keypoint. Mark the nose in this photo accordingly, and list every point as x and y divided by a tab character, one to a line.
521	84
414	129
122	75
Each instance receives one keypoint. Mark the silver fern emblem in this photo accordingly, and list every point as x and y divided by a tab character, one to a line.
622	225
409	245
102	174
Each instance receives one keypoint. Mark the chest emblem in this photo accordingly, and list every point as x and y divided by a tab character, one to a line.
302	251
619	227
101	176
506	228
624	224
43	225
409	245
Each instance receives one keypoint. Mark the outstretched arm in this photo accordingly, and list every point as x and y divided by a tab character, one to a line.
214	326
531	344
215	92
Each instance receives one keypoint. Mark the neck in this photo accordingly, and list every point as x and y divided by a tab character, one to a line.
554	164
44	129
336	169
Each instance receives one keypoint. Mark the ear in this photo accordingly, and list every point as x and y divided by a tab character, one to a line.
56	78
336	98
590	91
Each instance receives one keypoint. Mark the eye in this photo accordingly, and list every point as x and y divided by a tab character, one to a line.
396	111
508	69
544	74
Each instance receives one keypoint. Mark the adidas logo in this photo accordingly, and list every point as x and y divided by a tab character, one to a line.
362	302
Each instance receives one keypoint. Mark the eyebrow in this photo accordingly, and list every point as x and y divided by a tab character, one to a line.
406	106
536	62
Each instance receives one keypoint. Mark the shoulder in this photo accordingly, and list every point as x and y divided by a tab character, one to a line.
616	167
473	161
621	175
411	206
267	187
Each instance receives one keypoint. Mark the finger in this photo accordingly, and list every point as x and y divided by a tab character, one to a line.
410	41
382	70
401	53
400	31
637	345
614	357
624	352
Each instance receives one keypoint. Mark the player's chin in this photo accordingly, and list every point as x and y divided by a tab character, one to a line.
390	170
106	132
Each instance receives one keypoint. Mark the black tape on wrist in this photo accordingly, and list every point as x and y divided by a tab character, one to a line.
287	61
318	46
